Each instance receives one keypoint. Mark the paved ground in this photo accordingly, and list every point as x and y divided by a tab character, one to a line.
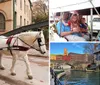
39	66
2	82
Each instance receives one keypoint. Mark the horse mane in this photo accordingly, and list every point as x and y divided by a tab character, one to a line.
28	33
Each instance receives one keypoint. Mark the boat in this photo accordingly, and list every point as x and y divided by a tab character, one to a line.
65	67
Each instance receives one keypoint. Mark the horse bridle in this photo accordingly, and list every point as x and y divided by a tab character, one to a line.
38	40
22	47
29	46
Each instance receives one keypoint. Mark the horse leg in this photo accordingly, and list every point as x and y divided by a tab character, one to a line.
14	58
1	65
28	69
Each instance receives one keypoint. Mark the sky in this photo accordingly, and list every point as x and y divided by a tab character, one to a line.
58	48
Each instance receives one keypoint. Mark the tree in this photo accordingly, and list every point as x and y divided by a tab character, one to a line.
40	11
91	47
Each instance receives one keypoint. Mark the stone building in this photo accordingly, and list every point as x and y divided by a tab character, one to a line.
97	54
14	14
59	57
79	57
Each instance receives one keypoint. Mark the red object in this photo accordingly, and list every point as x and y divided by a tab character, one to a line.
69	23
66	58
9	40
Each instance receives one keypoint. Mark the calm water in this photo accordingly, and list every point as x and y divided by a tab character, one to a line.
82	78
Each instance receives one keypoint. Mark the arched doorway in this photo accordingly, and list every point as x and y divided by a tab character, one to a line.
2	22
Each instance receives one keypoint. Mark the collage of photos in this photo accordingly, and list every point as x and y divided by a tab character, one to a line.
49	42
24	42
74	34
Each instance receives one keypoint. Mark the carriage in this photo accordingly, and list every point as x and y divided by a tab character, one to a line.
87	8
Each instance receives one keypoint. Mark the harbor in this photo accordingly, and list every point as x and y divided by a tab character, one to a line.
73	68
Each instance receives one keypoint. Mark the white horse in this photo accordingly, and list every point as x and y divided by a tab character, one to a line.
19	46
55	37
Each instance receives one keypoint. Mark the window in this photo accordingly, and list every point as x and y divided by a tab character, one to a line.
24	5
24	21
20	20
27	8
15	19
2	22
15	1
20	4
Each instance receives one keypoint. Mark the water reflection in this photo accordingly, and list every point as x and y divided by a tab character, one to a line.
81	78
67	76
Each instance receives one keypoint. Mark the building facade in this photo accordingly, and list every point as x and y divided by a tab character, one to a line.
74	57
52	57
97	54
6	15
14	14
23	13
59	57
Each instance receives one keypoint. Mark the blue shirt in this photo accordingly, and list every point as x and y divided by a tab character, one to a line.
83	26
62	28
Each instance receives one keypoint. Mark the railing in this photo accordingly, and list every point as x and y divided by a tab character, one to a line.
54	75
58	82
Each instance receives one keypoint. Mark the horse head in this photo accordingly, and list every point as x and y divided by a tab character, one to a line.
39	43
34	39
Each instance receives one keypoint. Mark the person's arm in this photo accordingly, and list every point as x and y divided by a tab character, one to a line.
66	24
61	31
66	33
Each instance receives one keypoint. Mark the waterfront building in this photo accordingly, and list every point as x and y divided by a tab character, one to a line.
52	57
74	57
97	54
97	60
59	57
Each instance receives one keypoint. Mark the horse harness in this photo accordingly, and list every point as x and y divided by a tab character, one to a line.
20	48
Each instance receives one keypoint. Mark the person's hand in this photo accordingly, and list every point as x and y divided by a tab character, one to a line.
84	30
75	30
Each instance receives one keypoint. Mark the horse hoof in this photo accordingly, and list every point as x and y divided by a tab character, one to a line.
30	77
2	68
13	74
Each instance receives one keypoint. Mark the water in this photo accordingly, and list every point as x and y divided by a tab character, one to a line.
82	78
